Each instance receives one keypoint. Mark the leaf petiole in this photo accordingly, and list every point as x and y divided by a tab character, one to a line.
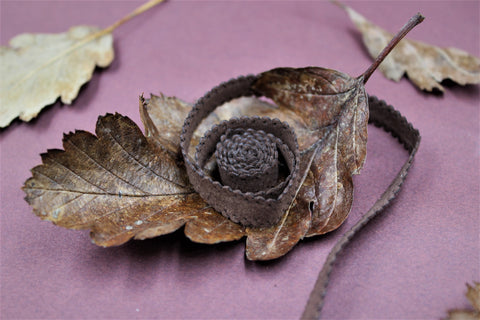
414	21
144	7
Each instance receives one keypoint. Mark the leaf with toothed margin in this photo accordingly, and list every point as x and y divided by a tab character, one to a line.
117	183
334	105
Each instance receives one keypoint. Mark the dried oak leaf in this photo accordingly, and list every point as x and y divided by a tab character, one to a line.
36	69
426	65
473	295
118	184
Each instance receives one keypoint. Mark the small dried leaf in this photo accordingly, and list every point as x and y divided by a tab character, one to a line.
38	68
426	65
473	295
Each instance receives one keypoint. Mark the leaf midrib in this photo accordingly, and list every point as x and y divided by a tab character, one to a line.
118	195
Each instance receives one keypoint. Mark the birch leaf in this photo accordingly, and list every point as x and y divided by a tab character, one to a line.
426	65
36	69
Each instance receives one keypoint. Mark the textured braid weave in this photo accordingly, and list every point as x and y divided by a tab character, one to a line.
241	200
381	115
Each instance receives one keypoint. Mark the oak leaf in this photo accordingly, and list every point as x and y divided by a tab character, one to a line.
36	69
426	65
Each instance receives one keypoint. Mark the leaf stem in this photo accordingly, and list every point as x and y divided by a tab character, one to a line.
144	7
415	20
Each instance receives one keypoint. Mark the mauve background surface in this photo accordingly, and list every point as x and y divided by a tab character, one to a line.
412	262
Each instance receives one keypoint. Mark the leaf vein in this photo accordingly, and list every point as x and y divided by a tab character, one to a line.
114	194
75	174
105	169
140	163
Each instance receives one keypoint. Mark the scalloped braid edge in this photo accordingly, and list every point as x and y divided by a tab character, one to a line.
381	115
259	209
390	120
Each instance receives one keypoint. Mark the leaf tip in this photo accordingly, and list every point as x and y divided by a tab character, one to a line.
420	16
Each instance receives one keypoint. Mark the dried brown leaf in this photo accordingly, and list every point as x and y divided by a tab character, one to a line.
116	183
426	65
120	185
335	105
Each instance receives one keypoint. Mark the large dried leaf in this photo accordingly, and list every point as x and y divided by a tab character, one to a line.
38	68
335	105
118	184
426	65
